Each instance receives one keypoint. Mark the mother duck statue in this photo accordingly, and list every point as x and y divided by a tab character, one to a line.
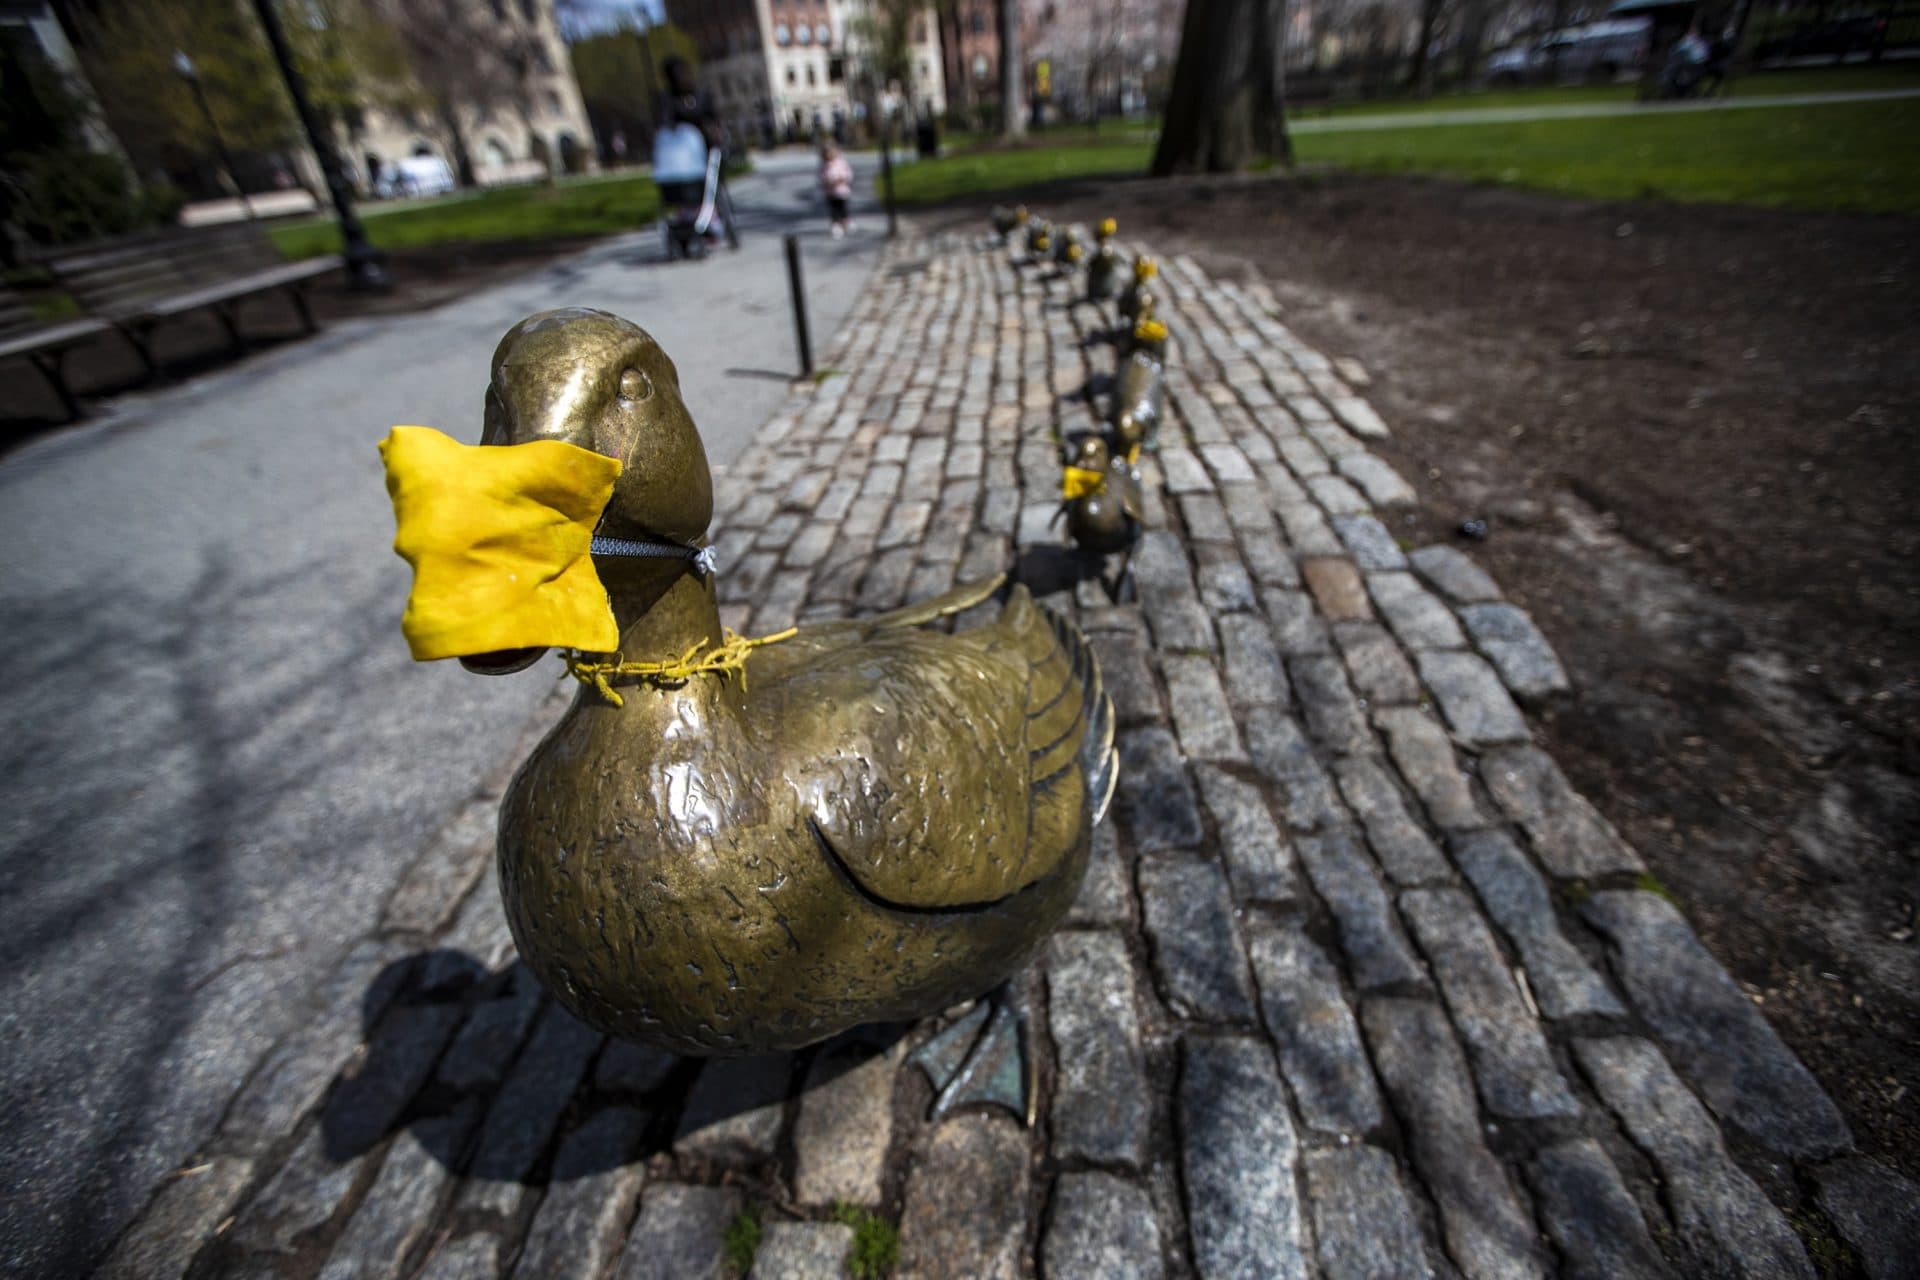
736	846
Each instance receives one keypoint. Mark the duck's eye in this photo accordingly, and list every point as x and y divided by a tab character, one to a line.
635	385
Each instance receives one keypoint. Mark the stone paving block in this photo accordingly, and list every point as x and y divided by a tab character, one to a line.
591	1192
1713	1033
1225	585
1268	560
304	1193
1155	797
1590	1215
181	1219
1100	1103
966	1203
1195	944
1100	1225
1516	648
1239	1153
1406	853
680	1233
812	545
1128	677
374	1090
1254	673
484	1048
1417	617
1201	715
845	1124
1297	627
397	1210
1307	529
1359	417
474	1256
1488	1228
1383	486
1424	755
1377	951
1362	1217
1333	715
1878	1212
1205	518
525	1113
1722	1217
1373	547
735	1108
1183	471
445	869
625	1067
1515	1068
1335	496
1103	897
1313	1028
1476	704
1380	671
1258	858
1454	574
802	1251
1303	456
1279	749
1570	838
1564	984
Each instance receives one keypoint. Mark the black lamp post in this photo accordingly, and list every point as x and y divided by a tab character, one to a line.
191	74
365	264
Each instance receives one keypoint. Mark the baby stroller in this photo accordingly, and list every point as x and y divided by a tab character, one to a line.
693	197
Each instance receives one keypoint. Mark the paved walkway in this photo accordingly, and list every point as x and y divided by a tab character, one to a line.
1361	123
1358	985
218	752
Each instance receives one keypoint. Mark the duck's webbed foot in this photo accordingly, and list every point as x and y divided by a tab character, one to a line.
982	1058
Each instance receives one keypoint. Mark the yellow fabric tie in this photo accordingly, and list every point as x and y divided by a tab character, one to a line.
1078	482
726	658
500	539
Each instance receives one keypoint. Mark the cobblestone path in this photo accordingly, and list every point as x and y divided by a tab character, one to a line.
1358	985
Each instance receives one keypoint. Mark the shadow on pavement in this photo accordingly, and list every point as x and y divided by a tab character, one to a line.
495	1080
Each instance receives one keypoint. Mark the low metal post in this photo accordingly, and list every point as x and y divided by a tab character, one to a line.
798	290
886	174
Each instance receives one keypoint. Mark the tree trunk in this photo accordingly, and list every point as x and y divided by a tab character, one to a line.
1013	99
462	161
1420	75
1225	104
1270	72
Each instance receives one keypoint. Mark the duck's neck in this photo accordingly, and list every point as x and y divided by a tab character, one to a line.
662	607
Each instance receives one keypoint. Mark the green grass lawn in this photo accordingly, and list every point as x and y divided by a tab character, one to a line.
597	207
1855	157
1840	156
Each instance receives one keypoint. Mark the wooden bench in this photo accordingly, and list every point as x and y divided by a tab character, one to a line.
44	343
140	282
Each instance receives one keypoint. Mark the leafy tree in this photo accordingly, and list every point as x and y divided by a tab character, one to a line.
885	36
621	76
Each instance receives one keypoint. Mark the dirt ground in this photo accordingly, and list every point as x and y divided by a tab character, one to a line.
1691	432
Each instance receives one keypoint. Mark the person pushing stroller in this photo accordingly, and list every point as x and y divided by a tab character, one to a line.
689	150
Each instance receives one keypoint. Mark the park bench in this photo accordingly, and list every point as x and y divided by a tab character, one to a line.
44	343
140	282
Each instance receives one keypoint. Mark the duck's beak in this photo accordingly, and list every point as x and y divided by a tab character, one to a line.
503	662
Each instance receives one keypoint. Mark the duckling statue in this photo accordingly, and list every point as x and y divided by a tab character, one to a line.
758	844
1139	396
1148	336
1006	221
1138	295
1068	249
1100	497
1103	265
1039	239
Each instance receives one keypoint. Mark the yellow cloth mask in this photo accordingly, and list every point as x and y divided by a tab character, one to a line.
500	539
1078	482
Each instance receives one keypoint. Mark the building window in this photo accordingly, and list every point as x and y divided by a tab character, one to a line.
812	79
792	76
803	33
979	66
824	34
781	35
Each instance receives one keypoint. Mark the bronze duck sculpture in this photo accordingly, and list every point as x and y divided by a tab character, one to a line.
1137	299
1139	397
868	821
1101	500
1006	221
1103	265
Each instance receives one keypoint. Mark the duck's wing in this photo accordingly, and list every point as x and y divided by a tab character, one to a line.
950	773
958	600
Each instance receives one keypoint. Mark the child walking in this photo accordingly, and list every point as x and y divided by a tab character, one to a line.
836	181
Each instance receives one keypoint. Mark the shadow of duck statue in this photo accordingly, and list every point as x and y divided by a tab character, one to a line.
865	821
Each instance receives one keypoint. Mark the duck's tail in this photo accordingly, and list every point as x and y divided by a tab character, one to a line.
1099	758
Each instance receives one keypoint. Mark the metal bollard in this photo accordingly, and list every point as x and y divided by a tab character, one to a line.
886	176
798	291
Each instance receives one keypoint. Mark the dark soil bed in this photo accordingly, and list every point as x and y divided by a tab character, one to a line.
1692	432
